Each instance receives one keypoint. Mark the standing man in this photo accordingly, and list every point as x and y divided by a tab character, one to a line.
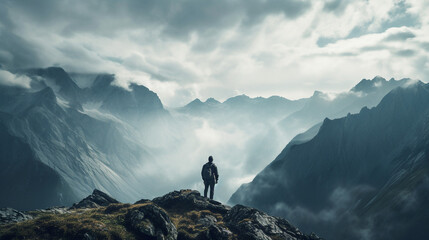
210	177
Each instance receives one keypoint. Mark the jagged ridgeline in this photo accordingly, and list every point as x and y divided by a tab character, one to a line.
363	176
181	215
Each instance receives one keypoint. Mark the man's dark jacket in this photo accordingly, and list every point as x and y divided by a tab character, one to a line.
215	175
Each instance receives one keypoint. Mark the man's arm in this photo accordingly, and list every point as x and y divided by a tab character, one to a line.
202	170
215	172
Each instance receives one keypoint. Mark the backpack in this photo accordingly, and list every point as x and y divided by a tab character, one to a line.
207	172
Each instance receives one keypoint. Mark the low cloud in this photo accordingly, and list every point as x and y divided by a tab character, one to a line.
10	79
338	220
400	36
336	6
405	53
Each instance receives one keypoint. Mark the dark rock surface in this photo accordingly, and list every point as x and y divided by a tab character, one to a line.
151	222
207	220
251	223
186	199
10	215
218	232
239	222
53	210
96	199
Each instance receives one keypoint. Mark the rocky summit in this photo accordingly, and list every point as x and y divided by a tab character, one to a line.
181	215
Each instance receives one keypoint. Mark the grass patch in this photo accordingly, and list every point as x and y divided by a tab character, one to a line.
73	225
101	223
187	224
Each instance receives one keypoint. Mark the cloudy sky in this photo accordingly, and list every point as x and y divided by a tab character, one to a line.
195	48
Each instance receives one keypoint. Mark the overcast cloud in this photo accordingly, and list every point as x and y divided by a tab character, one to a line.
188	49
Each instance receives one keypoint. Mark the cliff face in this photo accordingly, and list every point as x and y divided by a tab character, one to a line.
179	215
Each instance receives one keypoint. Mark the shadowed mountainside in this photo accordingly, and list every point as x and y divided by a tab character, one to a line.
365	174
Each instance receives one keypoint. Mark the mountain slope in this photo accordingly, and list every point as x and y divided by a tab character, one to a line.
24	177
74	144
345	176
136	106
83	148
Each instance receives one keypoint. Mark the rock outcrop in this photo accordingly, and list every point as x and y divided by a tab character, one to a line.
190	199
151	222
254	224
9	215
95	200
179	215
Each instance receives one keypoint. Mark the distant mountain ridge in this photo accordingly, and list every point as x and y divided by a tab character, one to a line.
258	108
367	86
321	105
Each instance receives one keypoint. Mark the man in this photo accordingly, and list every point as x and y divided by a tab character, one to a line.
210	177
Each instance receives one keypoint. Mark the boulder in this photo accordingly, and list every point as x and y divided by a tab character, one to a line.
250	223
190	200
54	210
150	222
95	200
10	215
207	220
216	232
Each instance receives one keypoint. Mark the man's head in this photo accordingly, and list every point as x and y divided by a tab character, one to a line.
210	159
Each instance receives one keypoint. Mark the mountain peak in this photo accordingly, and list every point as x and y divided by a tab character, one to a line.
57	74
378	79
242	96
317	93
195	103
59	80
366	85
238	99
56	70
212	101
103	80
